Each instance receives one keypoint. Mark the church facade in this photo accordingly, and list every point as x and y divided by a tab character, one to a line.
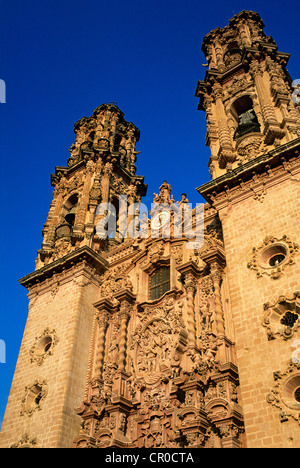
179	328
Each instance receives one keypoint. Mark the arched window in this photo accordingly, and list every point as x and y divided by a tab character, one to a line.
159	282
71	206
245	117
67	217
232	54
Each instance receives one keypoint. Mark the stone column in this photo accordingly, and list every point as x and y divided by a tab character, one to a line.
190	274
101	214
124	316
216	260
272	126
53	216
106	182
105	309
83	203
102	320
126	300
216	275
191	287
226	151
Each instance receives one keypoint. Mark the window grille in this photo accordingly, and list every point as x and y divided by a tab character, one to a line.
159	282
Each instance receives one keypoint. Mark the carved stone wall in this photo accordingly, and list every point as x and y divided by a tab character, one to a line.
162	372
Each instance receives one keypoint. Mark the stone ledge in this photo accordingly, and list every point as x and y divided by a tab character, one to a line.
84	253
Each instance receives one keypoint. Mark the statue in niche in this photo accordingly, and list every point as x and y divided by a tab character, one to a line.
113	351
206	318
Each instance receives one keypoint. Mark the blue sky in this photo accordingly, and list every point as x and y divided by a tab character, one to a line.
62	59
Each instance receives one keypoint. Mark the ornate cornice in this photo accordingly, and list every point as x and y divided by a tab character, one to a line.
253	175
83	254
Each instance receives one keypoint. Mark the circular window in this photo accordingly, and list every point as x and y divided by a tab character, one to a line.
297	395
276	260
273	256
289	319
291	393
43	346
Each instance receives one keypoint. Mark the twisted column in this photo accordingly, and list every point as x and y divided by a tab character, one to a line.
105	308
216	275
102	320
191	287
272	125
126	299
124	315
190	273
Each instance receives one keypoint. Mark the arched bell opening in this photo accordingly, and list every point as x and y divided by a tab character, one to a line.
244	114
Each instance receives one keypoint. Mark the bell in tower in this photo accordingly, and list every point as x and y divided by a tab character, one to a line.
70	216
246	94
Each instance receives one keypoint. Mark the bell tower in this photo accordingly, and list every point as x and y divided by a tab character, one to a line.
101	167
246	94
253	131
49	380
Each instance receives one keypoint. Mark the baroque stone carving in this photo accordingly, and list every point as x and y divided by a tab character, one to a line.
282	317
43	346
284	395
156	341
25	442
33	398
273	256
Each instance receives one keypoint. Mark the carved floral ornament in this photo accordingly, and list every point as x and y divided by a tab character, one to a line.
25	442
43	346
282	317
33	398
285	395
115	280
273	256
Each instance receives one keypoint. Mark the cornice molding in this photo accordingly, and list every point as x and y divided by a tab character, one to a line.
83	254
258	170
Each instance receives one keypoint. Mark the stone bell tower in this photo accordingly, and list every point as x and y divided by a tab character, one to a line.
246	94
50	375
253	130
101	167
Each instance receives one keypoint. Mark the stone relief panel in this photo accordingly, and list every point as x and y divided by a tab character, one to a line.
157	378
156	341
